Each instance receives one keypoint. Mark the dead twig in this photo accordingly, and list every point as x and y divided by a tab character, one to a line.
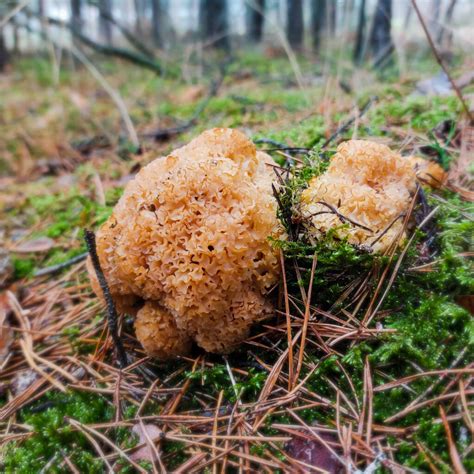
345	126
440	61
269	141
112	316
453	452
341	217
61	266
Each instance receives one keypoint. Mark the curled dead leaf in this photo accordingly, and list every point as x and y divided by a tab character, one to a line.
191	94
6	267
315	452
42	244
460	176
467	302
6	332
145	453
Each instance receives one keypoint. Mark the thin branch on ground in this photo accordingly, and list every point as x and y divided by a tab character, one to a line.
345	126
61	266
112	316
440	61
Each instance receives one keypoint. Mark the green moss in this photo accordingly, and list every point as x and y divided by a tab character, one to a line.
421	113
40	70
57	256
68	211
53	436
64	217
308	134
23	267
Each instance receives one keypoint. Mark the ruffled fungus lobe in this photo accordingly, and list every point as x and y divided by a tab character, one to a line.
363	194
190	239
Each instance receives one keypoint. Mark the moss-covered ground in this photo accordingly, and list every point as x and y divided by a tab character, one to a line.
382	391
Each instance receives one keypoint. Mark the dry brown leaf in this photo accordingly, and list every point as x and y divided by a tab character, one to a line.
460	177
145	453
52	114
6	332
79	100
464	193
466	79
42	244
6	267
191	94
308	449
467	302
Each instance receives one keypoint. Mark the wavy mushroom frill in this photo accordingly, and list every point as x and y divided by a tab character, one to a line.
364	194
190	239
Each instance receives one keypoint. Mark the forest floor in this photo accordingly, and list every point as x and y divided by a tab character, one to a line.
392	389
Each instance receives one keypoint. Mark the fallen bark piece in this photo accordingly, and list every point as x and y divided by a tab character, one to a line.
41	244
189	244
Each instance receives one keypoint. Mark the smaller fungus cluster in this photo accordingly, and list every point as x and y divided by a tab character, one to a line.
364	194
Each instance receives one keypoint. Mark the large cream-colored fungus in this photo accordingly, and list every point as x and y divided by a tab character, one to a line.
364	193
188	244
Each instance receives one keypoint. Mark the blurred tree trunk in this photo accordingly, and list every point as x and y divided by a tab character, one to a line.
318	22
157	12
213	23
255	21
381	43
105	27
408	13
359	42
332	17
76	15
41	9
294	24
3	52
41	14
139	15
447	21
76	21
16	45
347	13
434	19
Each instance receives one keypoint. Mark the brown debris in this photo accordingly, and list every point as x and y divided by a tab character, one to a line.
6	267
6	333
41	244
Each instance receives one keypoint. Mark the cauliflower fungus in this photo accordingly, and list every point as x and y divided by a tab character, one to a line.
363	194
187	249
